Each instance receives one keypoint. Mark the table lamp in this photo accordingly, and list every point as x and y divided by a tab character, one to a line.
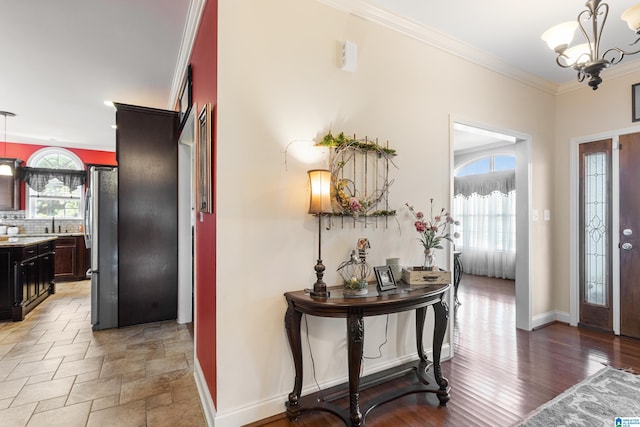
320	204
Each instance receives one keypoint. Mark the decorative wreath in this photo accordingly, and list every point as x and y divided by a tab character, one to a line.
348	195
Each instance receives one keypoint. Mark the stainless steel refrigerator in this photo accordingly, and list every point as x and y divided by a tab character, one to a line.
101	236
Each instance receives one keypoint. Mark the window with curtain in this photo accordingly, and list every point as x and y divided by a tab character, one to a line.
55	184
485	204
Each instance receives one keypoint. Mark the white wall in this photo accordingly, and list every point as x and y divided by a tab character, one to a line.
279	82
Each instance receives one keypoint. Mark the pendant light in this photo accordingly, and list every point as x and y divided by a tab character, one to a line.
586	58
5	169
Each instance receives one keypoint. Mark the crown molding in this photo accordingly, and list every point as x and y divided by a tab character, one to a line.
439	40
194	15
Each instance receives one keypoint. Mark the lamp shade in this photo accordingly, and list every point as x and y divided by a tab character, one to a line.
560	35
632	17
320	194
579	54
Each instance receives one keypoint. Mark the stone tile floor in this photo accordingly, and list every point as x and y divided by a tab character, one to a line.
56	371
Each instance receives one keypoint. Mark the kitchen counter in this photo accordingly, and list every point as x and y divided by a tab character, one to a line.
26	240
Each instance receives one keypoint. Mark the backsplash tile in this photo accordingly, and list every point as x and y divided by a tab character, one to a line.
38	226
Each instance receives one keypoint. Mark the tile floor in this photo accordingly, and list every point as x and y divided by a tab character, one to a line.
56	371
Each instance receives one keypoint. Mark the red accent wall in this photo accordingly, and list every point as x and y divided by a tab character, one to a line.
16	150
204	65
24	151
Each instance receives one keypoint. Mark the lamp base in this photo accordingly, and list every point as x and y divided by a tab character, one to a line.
319	294
319	288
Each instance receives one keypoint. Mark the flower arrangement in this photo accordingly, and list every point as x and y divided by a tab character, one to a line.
433	229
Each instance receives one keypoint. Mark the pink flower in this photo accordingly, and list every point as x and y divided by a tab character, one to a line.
437	218
354	205
419	215
420	226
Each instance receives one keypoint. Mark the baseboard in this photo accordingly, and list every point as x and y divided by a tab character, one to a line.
268	408
544	319
563	316
208	408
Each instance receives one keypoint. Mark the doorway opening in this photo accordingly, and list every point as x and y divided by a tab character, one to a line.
186	218
471	141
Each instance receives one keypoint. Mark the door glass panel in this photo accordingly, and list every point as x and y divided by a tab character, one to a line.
596	233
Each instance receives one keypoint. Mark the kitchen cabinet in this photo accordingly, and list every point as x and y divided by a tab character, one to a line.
72	258
10	187
26	275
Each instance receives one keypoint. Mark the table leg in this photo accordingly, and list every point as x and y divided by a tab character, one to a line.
441	317
292	325
423	364
457	276
421	314
355	347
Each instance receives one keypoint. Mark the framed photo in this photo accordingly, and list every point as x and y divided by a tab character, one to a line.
204	138
635	102
384	278
185	100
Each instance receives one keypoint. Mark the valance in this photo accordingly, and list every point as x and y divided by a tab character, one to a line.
38	178
485	184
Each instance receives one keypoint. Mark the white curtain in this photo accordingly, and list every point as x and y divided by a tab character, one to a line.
487	227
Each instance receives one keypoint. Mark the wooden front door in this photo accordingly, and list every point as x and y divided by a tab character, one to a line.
595	235
630	235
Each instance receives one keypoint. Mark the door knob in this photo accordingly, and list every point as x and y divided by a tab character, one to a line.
627	232
627	246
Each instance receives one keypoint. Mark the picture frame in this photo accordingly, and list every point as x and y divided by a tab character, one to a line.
204	153
635	102
185	100
384	278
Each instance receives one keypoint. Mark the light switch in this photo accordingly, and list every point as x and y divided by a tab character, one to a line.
547	215
534	214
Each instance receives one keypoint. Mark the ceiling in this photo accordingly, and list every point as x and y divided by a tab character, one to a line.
62	59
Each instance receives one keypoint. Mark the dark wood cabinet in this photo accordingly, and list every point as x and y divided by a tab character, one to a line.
72	258
10	187
147	155
26	277
66	258
6	283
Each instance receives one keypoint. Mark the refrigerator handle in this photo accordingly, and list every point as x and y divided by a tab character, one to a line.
87	220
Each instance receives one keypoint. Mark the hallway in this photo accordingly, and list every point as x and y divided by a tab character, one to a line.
55	371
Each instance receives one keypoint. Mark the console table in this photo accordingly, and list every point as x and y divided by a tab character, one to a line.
405	298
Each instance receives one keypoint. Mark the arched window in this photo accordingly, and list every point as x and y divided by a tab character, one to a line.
56	199
487	164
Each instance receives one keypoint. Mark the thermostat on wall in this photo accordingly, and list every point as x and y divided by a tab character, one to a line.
349	56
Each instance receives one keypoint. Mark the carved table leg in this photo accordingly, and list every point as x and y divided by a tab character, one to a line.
423	365
441	316
421	314
355	347
292	325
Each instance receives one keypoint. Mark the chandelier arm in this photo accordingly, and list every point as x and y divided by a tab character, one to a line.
620	54
597	29
589	14
561	55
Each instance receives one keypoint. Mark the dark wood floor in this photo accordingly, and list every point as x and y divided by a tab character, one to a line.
498	374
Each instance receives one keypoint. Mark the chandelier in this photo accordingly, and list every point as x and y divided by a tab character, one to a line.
585	58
